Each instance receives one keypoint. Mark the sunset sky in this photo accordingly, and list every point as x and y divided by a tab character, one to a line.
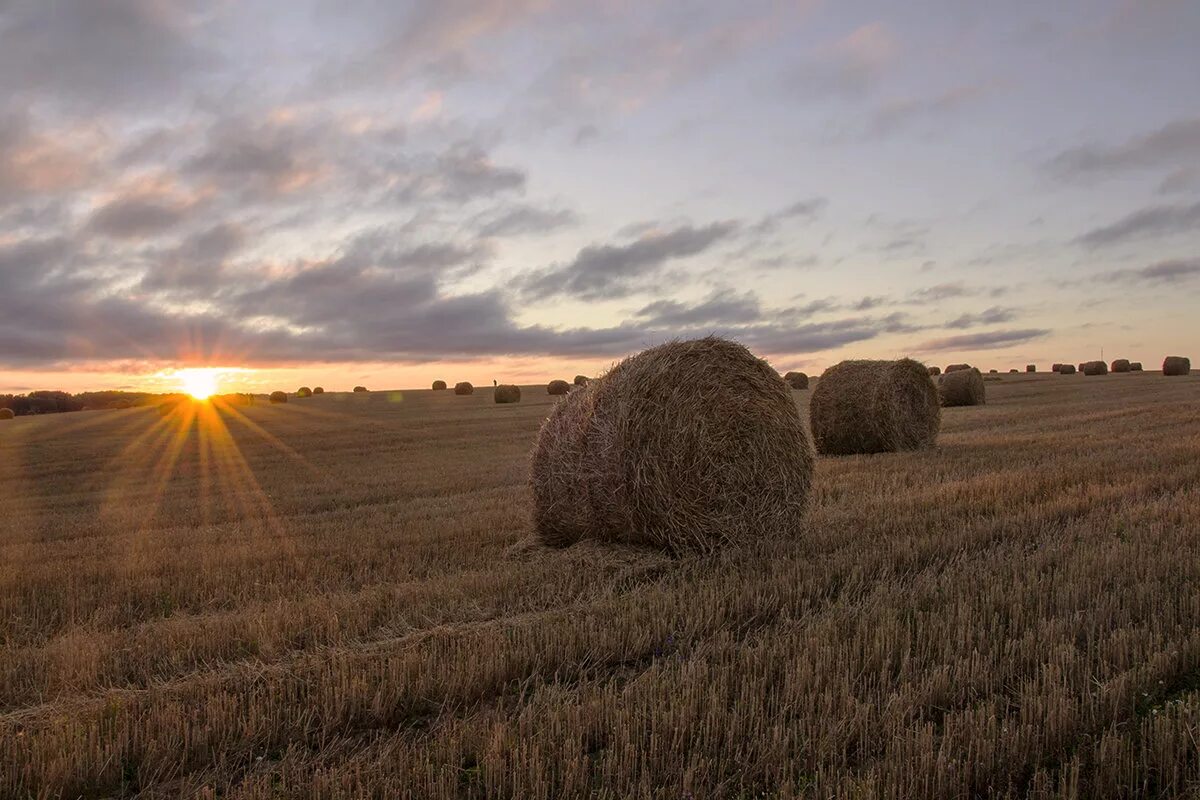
366	191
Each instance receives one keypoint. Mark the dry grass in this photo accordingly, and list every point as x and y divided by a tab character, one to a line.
874	407
325	603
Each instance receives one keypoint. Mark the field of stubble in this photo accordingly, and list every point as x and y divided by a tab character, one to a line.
322	599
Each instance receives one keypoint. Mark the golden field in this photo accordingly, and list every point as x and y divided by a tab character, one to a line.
334	597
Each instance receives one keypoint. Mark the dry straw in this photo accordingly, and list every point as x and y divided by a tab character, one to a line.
796	380
558	387
1121	365
464	387
1095	368
439	386
1176	365
508	393
958	367
962	388
279	397
686	446
874	407
1066	369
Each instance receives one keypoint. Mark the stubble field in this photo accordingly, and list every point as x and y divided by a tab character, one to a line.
330	598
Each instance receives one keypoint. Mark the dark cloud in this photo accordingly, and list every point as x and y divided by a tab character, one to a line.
136	216
1176	143
521	220
991	316
1163	272
807	210
939	292
198	263
1184	179
1148	222
613	271
983	341
725	307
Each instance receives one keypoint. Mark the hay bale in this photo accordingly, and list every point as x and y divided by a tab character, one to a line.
957	368
439	386
558	387
1014	371
685	446
934	371
993	371
796	380
279	397
1056	367
1135	366
1176	365
1082	364
318	390
6	413
962	388
464	387
1095	368
304	391
359	389
582	380
1120	365
507	393
874	407
1066	369
1030	368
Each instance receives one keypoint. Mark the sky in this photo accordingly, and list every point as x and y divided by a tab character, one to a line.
343	192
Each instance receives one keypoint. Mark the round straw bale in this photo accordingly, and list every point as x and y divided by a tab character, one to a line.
464	388
6	413
1014	370
796	380
1120	365
874	407
304	391
1095	368
958	367
685	446
962	387
558	387
1135	366
1066	369
508	393
359	389
279	397
1056	367
318	390
1031	367
581	380
1082	364
439	386
935	370
1176	365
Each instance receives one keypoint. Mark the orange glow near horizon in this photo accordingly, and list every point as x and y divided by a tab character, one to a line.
200	383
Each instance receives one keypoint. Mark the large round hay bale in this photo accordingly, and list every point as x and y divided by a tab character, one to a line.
1095	368
304	391
796	380
1176	365
688	445
962	387
558	387
1030	368
1135	366
508	393
1066	369
279	397
439	386
1120	365
582	380
874	407
6	413
958	367
359	389
934	371
464	387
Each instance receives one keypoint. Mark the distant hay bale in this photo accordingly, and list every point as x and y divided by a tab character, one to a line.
1082	364
1095	368
933	371
304	391
1014	371
993	371
1031	367
962	388
874	407
6	413
1135	366
318	390
279	397
558	387
582	380
1121	365
685	446
359	389
439	386
958	367
508	393
796	380
1066	369
1176	365
1056	368
464	388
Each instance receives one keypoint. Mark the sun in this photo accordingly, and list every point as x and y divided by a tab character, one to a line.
199	383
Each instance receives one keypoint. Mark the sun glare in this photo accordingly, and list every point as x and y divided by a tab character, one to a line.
199	383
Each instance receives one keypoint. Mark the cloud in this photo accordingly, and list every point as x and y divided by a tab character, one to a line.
807	209
136	217
612	271
939	292
725	307
1174	144
982	341
1163	220
520	220
991	316
852	65
898	113
1173	271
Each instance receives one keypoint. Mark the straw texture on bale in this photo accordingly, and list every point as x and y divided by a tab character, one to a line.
439	386
1176	365
874	407
582	380
1095	368
304	391
686	446
508	393
1120	365
958	367
6	413
796	380
464	388
962	388
1066	369
278	397
558	387
360	388
1135	366
935	370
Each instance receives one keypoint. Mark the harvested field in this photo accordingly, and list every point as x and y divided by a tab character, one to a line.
327	599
